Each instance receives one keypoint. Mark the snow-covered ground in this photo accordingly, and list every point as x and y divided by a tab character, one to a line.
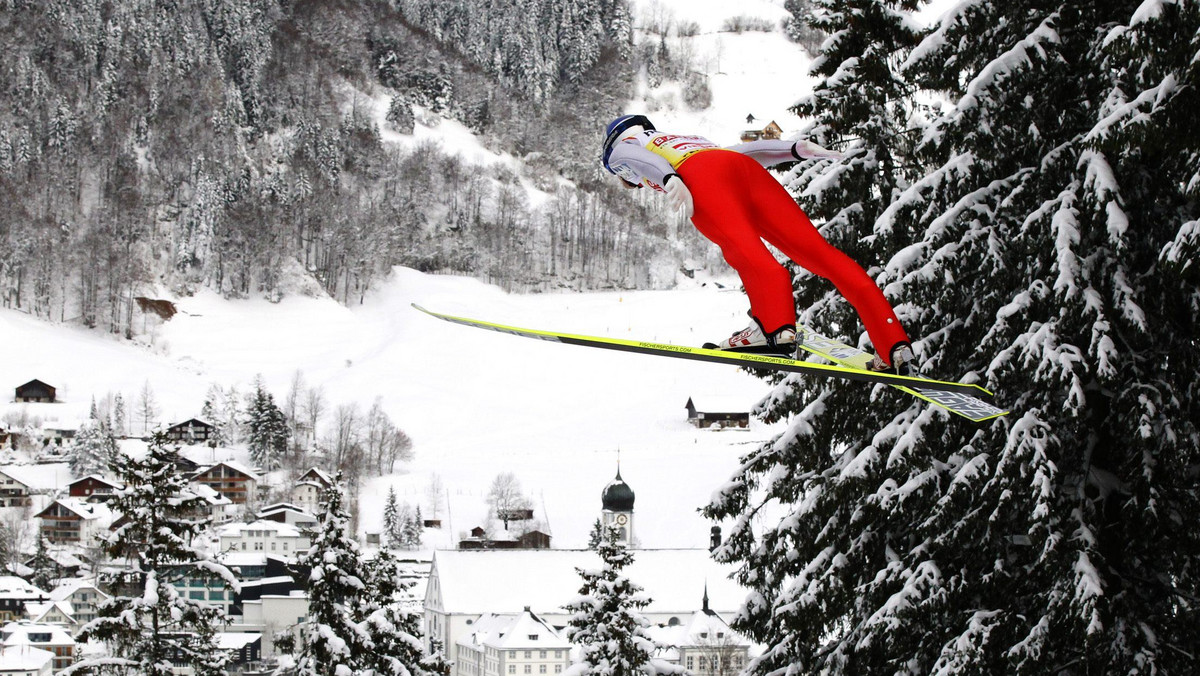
475	403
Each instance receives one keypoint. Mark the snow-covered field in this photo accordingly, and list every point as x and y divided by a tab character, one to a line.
476	403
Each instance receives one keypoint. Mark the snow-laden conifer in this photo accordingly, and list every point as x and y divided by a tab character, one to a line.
147	624
356	623
1041	250
606	621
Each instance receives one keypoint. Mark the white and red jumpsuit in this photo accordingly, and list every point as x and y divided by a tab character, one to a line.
738	204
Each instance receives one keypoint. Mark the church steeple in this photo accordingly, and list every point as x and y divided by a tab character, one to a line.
617	508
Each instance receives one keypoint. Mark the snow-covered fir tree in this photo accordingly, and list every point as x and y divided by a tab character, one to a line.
356	624
393	630
606	621
333	641
267	428
1041	251
149	626
42	567
92	449
393	532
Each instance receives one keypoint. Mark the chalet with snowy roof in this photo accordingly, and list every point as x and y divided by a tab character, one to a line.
270	537
84	597
14	594
308	489
703	643
35	391
286	512
93	488
705	412
48	637
772	131
53	612
499	645
63	563
71	521
231	479
534	539
191	432
13	491
462	585
24	660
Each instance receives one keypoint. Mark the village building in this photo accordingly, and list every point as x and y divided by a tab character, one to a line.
13	491
272	614
770	132
308	489
24	660
511	645
14	594
709	412
213	505
191	432
244	649
231	479
704	644
48	637
84	597
93	488
64	562
286	512
616	502
58	613
36	392
72	521
462	585
271	537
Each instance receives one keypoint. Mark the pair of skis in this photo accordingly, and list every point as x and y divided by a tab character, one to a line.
848	363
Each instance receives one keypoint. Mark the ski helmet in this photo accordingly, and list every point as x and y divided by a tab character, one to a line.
618	127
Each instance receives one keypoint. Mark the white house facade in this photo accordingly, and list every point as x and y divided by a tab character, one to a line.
270	537
511	645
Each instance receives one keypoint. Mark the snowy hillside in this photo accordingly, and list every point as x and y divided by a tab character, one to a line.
753	72
475	403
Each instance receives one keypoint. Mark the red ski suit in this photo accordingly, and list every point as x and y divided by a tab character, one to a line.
738	205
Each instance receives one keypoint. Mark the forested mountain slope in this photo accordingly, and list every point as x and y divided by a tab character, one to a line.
164	146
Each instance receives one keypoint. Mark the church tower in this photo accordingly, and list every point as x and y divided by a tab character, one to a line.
617	501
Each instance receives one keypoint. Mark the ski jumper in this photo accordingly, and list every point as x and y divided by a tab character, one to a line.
738	204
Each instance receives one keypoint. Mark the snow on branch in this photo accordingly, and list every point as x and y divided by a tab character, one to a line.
1009	62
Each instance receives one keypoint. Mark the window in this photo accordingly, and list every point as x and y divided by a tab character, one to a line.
691	661
532	637
558	653
703	664
512	668
512	654
542	655
529	668
558	668
541	668
528	654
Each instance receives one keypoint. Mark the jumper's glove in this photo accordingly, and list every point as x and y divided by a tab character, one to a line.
679	195
808	150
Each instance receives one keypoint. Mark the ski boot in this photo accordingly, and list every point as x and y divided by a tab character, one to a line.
903	361
754	339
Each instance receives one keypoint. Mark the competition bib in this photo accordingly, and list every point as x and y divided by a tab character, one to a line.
674	148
